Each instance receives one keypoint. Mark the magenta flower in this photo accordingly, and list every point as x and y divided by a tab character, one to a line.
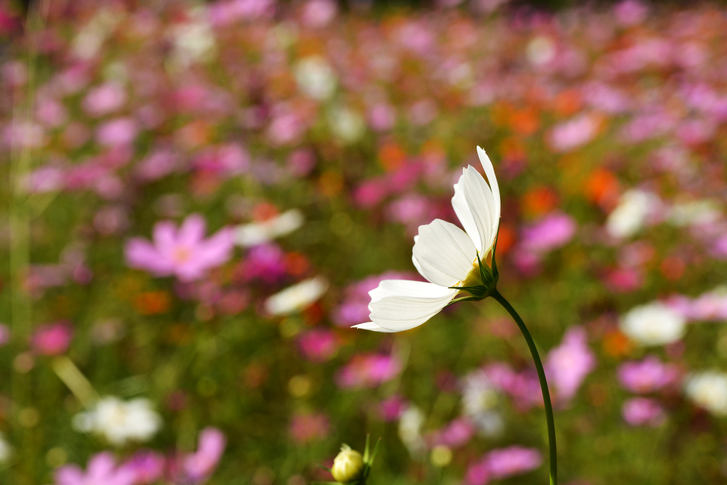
101	470
52	339
368	371
513	460
457	433
318	345
200	465
550	232
183	253
568	364
309	427
646	376
641	411
146	466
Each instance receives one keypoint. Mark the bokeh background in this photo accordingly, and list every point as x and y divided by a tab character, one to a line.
170	166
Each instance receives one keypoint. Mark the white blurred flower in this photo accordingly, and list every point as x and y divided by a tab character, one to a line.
120	421
193	41
6	450
346	124
694	213
261	232
479	400
708	389
296	297
653	324
410	430
632	213
444	254
315	77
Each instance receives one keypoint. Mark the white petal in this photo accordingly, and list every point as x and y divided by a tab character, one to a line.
398	305
443	253
494	186
473	203
373	327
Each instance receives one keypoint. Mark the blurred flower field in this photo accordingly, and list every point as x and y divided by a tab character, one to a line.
197	200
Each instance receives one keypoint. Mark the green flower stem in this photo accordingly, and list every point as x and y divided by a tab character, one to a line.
543	383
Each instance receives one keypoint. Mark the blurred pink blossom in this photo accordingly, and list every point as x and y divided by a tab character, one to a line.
392	408
573	133
117	132
477	474
567	365
301	162
624	279
368	371
646	376
158	164
318	345
309	427
104	99
52	338
641	411
226	160
630	12
381	117
101	469
551	232
198	466
319	13
183	253
265	262
513	460
146	466
457	433
522	386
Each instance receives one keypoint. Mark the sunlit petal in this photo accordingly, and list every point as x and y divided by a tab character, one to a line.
443	253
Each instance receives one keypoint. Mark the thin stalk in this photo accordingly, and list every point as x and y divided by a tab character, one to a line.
543	384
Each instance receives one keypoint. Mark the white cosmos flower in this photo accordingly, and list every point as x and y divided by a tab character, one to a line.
255	233
653	324
296	297
444	254
709	390
120	421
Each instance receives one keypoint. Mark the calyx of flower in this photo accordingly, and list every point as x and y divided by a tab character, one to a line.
481	281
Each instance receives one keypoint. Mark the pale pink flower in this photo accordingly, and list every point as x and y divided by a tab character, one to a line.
368	371
573	133
200	464
319	13
513	460
646	376
568	364
101	470
551	232
146	466
381	117
52	338
641	411
117	132
457	433
318	345
309	427
104	99
183	252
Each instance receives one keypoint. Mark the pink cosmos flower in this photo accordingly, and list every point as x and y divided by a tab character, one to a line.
200	464
146	466
573	133
52	339
456	433
646	376
513	460
550	232
368	371
308	427
641	411
318	345
183	253
101	469
117	132
104	99
568	364
391	408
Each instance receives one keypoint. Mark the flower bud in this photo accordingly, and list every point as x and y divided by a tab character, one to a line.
348	465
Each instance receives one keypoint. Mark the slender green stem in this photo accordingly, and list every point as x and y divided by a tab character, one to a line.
543	384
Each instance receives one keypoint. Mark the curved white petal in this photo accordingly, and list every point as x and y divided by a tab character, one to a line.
477	204
373	327
494	186
443	253
398	305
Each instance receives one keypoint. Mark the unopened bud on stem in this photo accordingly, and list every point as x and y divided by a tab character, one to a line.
348	465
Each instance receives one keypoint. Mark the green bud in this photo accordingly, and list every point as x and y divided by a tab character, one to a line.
348	465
